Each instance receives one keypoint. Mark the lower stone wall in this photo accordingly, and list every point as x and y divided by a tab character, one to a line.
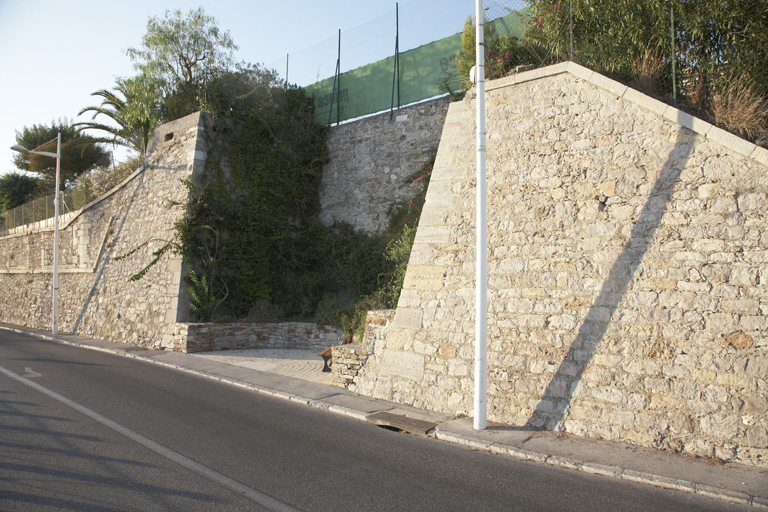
241	336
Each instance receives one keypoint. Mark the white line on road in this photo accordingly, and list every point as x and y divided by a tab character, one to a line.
253	495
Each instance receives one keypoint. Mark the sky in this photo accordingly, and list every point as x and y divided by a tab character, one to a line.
53	55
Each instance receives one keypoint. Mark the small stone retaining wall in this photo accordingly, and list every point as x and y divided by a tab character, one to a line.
370	160
241	336
347	360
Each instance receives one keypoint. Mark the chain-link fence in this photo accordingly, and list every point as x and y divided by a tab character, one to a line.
43	208
397	59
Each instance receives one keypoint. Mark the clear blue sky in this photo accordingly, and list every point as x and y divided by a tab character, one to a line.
53	55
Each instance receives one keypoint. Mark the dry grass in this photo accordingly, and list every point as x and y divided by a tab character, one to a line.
741	109
647	69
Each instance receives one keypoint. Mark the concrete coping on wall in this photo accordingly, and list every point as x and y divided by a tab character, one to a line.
696	125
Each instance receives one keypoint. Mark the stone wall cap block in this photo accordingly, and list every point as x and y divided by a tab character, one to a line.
580	71
535	74
760	155
687	121
731	141
643	100
501	82
608	84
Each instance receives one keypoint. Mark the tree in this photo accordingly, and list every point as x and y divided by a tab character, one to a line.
725	40
78	152
16	189
136	114
466	58
183	53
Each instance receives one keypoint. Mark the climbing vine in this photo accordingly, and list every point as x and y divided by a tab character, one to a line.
251	238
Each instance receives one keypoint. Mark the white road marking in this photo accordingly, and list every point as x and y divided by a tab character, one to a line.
253	495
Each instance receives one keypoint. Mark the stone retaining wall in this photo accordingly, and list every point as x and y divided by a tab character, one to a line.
370	159
347	360
627	272
106	242
241	336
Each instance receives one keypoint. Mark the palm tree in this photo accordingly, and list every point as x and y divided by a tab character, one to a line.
136	114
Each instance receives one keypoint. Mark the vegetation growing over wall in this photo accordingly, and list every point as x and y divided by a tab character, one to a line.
251	234
719	52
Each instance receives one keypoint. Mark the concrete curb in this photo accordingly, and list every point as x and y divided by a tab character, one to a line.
494	448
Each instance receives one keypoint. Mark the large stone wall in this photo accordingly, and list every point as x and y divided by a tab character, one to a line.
96	297
370	160
627	272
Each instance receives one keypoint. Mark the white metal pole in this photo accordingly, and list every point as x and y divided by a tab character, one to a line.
56	236
481	256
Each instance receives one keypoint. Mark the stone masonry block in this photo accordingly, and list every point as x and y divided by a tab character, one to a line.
402	363
407	319
424	277
730	141
442	202
433	235
687	121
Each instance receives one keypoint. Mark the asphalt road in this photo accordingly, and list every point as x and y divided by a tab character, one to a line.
89	431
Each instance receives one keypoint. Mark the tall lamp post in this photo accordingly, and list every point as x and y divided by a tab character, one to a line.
481	250
57	156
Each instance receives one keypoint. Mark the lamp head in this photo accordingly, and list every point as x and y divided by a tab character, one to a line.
20	149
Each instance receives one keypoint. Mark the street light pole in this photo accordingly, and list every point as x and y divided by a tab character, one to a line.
481	250
57	156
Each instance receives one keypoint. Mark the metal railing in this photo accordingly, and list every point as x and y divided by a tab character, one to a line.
42	209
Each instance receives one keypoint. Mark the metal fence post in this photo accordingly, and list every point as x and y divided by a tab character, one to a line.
674	54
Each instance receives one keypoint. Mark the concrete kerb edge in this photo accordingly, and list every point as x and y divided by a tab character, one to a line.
494	448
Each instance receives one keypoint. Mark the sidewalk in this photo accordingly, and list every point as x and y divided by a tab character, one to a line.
295	375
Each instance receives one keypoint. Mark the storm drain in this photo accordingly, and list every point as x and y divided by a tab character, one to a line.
401	423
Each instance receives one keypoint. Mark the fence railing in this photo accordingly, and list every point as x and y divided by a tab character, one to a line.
43	208
399	58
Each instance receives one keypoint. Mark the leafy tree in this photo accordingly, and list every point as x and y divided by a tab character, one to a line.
16	189
78	152
721	40
183	53
467	56
134	108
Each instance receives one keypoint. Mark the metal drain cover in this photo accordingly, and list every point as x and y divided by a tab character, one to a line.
400	422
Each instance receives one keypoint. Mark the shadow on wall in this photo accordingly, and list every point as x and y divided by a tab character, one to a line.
561	388
107	256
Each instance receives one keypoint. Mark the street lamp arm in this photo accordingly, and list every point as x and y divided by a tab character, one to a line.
22	149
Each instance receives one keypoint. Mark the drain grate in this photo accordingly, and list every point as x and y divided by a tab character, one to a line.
402	423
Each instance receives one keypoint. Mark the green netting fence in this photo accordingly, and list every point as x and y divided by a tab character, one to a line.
407	72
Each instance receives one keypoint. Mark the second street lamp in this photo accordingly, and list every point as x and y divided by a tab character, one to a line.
57	156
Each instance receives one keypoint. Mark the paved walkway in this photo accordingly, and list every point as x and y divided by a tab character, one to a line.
300	364
295	375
